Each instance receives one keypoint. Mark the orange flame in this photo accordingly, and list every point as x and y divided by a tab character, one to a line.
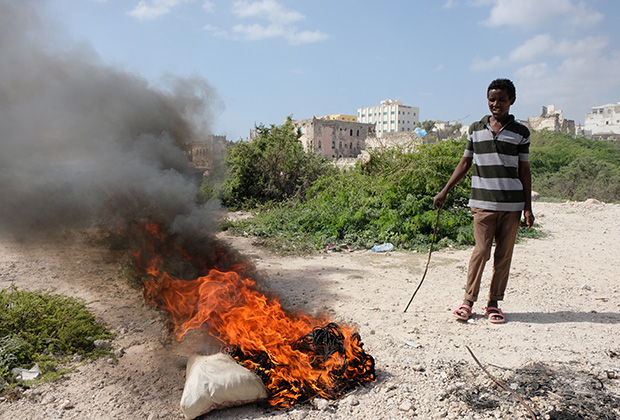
297	356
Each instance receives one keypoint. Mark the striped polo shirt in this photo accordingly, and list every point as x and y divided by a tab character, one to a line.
495	183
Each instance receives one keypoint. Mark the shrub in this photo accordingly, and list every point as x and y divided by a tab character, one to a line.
272	168
388	199
43	328
574	168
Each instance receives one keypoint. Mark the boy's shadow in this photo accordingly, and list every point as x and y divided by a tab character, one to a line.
564	316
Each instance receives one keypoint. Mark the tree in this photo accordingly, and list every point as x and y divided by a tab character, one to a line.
273	167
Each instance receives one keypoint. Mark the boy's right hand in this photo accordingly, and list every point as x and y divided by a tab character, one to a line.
439	200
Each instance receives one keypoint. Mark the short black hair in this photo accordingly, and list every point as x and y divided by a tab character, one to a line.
505	85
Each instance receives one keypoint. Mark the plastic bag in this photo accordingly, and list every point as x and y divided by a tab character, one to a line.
217	381
382	248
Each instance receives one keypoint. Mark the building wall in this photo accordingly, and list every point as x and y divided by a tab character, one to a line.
333	139
551	119
390	117
341	117
603	120
202	154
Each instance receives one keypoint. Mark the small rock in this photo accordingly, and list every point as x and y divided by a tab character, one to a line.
66	405
320	404
416	367
102	344
405	406
351	400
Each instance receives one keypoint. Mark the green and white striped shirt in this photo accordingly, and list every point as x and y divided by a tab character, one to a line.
495	183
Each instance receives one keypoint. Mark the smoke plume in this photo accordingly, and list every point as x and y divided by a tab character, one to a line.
81	140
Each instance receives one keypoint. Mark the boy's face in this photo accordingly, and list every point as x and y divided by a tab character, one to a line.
499	103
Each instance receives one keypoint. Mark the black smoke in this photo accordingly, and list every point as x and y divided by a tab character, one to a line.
82	141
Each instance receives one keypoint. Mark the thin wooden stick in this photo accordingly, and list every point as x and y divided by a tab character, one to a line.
427	261
504	387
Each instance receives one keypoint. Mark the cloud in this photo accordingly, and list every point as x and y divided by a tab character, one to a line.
480	64
257	32
154	9
546	45
266	9
277	22
536	13
208	6
532	48
533	71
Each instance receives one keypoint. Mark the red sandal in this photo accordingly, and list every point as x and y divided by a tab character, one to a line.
495	315
462	313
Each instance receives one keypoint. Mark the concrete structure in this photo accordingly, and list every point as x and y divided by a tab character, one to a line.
203	153
390	117
551	119
341	117
334	139
603	121
406	141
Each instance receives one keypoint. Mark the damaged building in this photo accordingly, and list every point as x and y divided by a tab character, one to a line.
551	119
333	138
203	153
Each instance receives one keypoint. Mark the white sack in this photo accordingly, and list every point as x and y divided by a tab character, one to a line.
218	381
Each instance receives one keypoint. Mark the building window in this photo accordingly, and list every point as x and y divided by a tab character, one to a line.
333	145
351	132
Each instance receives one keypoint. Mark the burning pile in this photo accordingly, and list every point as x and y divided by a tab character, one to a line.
203	285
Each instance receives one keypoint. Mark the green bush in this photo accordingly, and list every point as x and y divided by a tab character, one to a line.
388	199
271	168
43	328
574	168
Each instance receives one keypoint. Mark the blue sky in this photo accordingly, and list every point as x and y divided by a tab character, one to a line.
267	59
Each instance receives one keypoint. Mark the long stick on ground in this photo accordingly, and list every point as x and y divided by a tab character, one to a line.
427	261
504	387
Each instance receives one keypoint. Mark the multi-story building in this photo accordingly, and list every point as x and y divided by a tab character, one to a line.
390	117
334	139
603	121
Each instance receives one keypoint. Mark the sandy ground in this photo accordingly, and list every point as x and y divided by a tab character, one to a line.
559	349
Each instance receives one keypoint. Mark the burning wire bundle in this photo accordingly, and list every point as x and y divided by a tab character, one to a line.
297	356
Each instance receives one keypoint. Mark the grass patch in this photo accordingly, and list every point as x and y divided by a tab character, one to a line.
46	329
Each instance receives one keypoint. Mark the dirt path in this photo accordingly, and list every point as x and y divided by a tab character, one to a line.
561	338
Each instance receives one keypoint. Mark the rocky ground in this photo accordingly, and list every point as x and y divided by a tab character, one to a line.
559	350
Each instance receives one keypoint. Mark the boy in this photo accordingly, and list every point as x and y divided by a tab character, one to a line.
498	149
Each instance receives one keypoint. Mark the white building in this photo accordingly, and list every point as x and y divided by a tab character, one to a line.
390	117
603	120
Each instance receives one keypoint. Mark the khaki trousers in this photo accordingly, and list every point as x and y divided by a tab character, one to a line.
488	225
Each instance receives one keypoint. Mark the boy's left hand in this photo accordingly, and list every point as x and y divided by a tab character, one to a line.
528	219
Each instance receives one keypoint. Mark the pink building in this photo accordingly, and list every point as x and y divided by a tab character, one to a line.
334	139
